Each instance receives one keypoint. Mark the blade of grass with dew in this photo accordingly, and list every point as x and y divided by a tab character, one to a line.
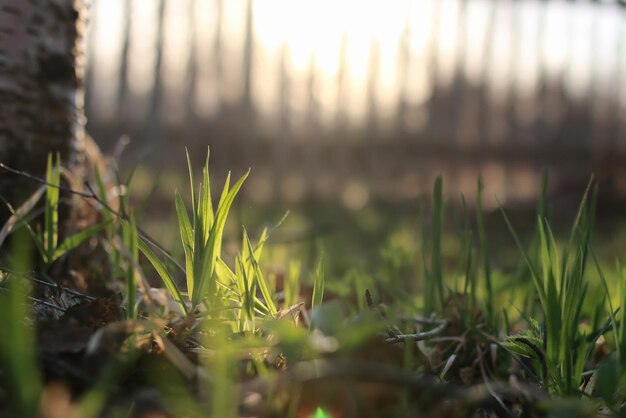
168	281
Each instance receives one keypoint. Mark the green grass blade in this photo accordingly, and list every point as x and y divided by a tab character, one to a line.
224	273
205	205
18	358
51	212
536	280
437	225
554	253
168	281
482	238
292	283
546	260
542	205
246	250
267	296
129	232
247	302
621	332
256	251
74	241
106	214
429	289
581	211
318	285
186	236
22	215
213	246
191	184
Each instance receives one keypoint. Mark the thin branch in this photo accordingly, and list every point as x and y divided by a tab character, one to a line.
36	300
42	181
418	336
93	196
488	386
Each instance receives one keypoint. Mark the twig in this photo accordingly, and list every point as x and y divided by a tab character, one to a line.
42	181
93	196
24	274
486	380
37	301
18	214
392	330
63	289
418	336
140	232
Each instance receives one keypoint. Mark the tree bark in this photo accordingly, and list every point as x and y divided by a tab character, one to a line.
41	89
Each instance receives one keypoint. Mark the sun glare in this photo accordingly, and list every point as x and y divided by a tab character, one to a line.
350	58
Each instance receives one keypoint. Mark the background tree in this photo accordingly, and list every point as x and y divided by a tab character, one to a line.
42	63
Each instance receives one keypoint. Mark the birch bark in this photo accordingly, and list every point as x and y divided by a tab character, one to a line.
42	61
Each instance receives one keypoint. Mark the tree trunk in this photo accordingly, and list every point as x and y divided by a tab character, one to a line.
41	89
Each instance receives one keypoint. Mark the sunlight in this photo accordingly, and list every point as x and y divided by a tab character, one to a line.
351	60
143	31
316	29
108	35
176	53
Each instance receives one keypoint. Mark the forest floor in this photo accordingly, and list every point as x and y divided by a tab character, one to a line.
434	315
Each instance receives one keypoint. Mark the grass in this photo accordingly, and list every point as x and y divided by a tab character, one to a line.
202	239
17	354
422	331
47	240
560	284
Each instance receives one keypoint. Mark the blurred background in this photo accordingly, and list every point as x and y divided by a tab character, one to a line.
337	105
354	100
